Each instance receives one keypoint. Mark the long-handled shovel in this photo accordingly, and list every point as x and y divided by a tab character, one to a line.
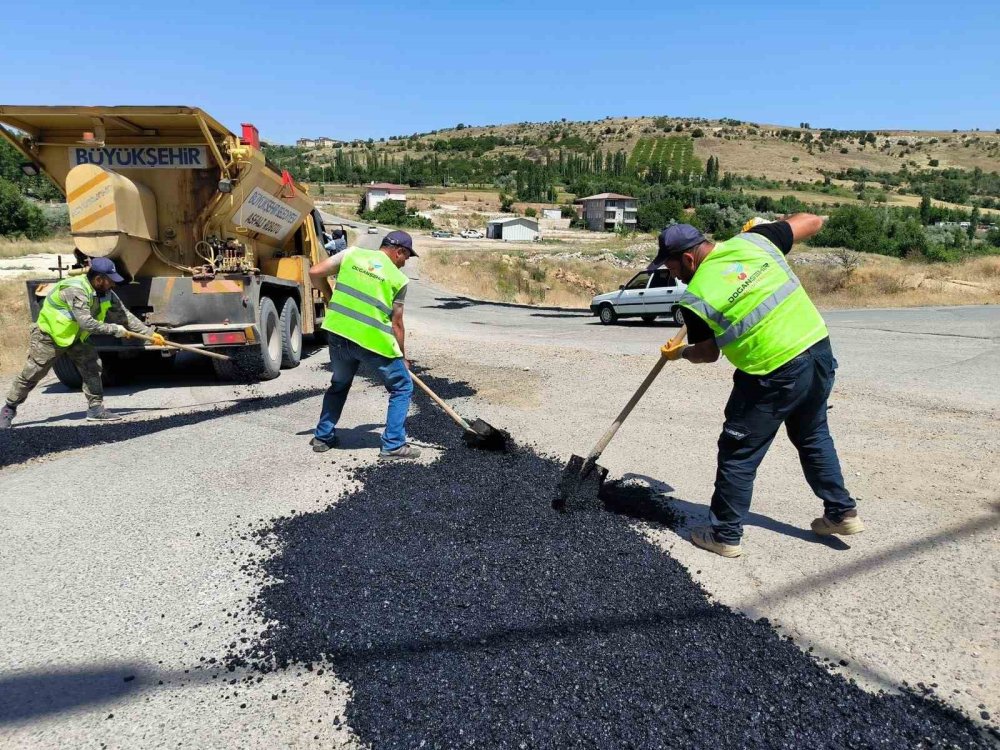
478	434
185	347
579	469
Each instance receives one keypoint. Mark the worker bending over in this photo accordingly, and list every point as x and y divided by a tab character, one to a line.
364	319
74	309
744	301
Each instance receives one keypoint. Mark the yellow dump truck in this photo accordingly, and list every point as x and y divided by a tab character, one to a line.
214	241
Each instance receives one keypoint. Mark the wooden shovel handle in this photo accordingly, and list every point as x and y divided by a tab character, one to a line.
185	347
606	438
437	400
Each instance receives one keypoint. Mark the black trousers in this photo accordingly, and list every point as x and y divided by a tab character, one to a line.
794	395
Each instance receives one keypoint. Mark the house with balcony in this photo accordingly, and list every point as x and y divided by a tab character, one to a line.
606	212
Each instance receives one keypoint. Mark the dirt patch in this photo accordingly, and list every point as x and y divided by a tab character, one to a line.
503	386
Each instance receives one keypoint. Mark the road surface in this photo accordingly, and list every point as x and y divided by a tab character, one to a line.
121	547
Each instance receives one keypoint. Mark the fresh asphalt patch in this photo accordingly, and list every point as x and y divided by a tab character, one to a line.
463	611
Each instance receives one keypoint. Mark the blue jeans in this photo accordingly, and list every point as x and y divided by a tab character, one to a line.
794	395
345	357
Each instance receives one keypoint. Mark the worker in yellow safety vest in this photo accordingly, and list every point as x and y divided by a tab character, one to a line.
364	324
743	301
75	308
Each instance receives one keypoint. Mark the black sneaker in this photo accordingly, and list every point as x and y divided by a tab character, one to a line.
100	414
7	414
322	446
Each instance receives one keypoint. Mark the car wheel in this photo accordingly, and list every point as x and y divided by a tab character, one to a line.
648	318
607	314
678	316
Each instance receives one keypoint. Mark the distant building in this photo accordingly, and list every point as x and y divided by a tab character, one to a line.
551	213
321	142
377	192
605	212
512	229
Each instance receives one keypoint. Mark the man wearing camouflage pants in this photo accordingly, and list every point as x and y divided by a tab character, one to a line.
76	308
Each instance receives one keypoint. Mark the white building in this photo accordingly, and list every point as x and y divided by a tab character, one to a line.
608	211
551	213
306	142
512	229
377	192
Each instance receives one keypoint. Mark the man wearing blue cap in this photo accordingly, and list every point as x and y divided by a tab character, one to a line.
743	300
364	322
76	307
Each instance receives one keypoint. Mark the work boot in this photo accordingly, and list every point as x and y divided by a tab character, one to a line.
704	537
403	451
100	414
848	524
7	414
322	446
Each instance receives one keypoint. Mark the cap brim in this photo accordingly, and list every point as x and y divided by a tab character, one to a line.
115	277
413	253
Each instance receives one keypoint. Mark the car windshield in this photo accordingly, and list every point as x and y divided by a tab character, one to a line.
639	282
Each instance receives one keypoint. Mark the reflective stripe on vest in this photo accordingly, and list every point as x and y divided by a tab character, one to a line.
56	318
762	338
360	308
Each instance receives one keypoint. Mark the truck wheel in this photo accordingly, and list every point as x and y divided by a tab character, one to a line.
67	373
648	318
291	334
678	316
607	314
260	361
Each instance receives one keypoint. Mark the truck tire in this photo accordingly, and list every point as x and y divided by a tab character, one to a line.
291	334
67	373
607	314
260	361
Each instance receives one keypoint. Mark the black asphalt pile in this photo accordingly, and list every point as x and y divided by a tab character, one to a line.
25	442
463	612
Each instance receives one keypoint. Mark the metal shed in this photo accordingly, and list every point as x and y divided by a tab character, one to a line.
512	229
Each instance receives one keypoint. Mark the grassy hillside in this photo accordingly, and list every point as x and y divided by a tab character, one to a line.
830	165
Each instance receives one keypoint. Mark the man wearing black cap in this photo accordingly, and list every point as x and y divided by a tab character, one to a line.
744	301
75	308
364	321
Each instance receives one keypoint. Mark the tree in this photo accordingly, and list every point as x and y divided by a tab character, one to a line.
530	212
925	209
506	203
973	223
19	216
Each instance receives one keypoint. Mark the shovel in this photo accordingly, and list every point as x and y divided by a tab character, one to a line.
581	470
478	434
185	347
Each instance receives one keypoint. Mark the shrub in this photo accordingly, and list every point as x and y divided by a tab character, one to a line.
529	211
19	216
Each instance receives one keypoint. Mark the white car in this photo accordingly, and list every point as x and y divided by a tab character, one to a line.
373	229
472	234
646	295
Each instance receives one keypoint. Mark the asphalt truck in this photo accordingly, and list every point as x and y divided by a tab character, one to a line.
214	241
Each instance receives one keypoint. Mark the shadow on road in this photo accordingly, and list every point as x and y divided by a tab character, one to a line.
696	514
31	695
26	442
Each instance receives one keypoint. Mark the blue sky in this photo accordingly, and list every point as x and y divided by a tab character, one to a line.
360	69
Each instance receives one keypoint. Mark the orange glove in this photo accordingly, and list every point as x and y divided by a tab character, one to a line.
157	339
673	351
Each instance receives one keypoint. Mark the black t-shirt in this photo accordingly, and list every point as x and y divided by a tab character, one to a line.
779	233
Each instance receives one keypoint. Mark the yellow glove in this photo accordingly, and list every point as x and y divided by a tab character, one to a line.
673	351
157	339
755	221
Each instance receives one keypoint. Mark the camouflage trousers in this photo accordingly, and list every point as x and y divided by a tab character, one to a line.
42	354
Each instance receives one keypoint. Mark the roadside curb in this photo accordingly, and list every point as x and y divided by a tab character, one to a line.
519	305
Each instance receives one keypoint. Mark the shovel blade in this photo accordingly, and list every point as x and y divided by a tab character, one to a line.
485	436
580	485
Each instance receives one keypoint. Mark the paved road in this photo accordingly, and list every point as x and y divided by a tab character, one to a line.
121	546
